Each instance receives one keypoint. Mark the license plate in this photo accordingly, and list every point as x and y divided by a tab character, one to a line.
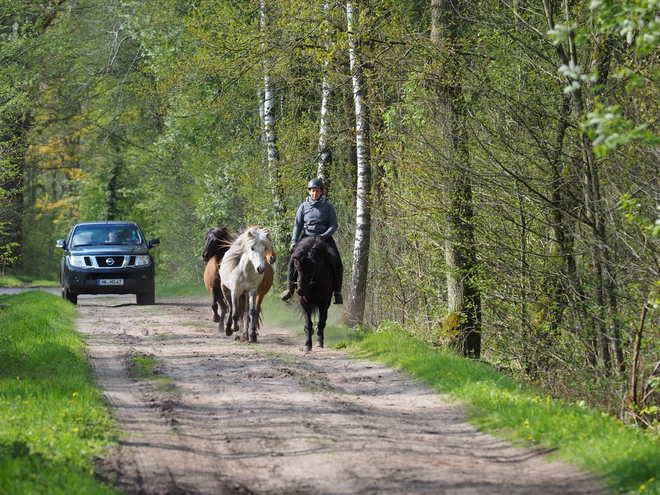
111	281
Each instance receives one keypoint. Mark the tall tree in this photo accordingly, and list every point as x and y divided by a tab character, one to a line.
270	137
358	290
463	295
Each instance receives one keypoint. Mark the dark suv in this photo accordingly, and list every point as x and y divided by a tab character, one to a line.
107	258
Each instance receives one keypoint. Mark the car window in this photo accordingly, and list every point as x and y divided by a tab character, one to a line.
104	234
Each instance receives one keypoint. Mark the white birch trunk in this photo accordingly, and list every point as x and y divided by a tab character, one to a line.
357	296
270	137
325	153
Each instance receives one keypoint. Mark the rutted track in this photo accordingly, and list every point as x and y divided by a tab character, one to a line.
267	418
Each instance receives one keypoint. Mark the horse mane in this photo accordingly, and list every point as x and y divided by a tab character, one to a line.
247	238
223	238
306	244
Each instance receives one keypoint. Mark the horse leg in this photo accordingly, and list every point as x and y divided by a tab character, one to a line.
309	325
216	296
323	317
216	316
222	302
253	315
235	310
229	312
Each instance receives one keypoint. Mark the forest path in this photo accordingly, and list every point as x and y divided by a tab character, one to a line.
226	417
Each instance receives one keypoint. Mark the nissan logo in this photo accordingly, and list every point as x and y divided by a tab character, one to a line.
109	261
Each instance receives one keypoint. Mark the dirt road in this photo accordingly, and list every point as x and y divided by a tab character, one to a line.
267	418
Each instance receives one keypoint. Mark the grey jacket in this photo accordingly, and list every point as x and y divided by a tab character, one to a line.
315	218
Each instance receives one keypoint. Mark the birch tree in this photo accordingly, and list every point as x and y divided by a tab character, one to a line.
272	152
325	152
358	289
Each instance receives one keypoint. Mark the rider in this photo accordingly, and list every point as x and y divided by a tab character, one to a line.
316	217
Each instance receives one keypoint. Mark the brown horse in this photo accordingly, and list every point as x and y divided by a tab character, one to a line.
218	241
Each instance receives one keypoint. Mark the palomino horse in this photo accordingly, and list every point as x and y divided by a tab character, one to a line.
264	286
218	241
241	271
313	261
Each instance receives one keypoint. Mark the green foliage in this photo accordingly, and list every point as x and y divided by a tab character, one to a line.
165	129
54	421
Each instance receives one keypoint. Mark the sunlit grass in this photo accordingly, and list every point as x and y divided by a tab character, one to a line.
181	290
53	421
623	456
25	280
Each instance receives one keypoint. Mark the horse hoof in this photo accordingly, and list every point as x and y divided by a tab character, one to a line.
319	344
253	338
216	318
229	332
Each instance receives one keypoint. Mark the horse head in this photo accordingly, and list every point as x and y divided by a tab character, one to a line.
218	241
257	244
307	256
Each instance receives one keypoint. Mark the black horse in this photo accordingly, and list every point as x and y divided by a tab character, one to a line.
312	259
218	241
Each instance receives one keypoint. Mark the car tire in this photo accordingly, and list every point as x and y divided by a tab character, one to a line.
146	298
67	295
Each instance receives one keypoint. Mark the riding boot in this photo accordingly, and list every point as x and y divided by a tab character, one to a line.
287	294
339	276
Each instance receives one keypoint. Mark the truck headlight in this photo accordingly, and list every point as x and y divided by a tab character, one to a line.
142	260
77	261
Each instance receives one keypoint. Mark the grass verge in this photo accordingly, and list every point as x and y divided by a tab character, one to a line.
22	280
623	456
53	420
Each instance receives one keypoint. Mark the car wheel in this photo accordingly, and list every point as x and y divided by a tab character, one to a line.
67	295
145	298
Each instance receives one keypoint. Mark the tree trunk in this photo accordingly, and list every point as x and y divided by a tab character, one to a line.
463	295
270	138
325	152
358	289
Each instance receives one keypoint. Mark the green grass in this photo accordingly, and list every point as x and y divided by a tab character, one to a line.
626	458
182	290
53	421
24	280
146	368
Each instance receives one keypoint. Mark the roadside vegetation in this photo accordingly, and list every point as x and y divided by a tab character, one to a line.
22	280
625	457
53	420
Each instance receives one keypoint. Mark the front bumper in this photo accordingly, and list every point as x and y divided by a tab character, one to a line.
91	281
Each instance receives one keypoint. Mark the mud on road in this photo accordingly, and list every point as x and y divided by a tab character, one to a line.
226	417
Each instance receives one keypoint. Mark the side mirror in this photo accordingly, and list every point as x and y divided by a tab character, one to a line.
154	243
60	243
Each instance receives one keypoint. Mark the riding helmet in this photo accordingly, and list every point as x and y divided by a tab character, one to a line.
316	183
